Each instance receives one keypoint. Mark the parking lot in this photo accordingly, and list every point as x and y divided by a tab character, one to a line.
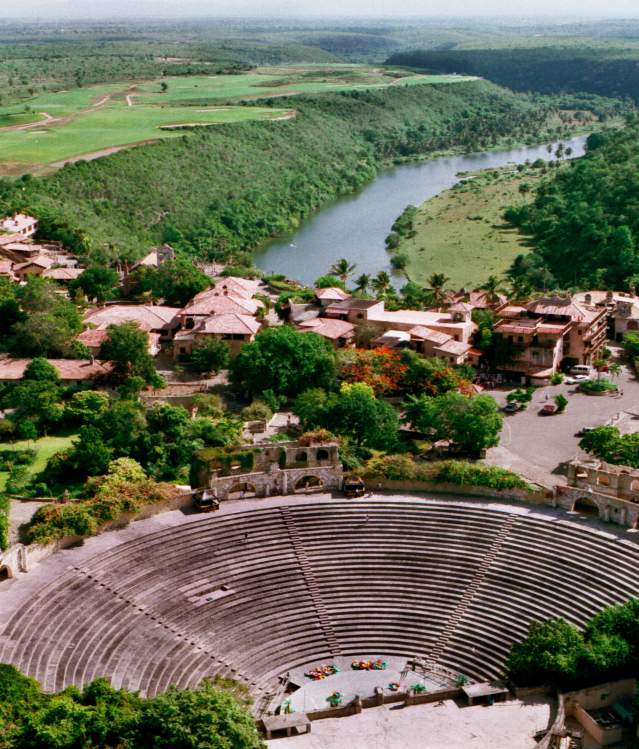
538	447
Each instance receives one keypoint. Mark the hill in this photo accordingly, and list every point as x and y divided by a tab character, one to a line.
222	190
584	220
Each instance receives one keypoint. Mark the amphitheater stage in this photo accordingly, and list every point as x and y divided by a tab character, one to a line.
350	683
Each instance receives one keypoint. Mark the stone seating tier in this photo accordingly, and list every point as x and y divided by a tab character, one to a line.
253	595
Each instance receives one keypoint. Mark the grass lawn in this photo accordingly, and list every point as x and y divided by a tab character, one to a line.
88	121
461	232
45	446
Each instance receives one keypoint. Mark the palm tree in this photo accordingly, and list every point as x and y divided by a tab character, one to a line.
362	283
381	283
492	289
614	369
342	269
520	288
437	281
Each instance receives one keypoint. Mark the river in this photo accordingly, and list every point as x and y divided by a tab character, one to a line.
355	226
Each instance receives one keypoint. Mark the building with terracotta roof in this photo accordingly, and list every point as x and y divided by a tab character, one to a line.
35	266
330	295
339	332
211	302
19	224
550	334
237	286
233	328
6	270
63	275
69	370
150	317
155	258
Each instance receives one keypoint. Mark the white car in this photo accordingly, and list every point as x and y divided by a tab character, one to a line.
576	379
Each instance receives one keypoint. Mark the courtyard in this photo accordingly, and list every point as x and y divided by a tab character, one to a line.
441	725
538	447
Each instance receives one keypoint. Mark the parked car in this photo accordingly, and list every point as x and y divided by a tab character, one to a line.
585	430
511	408
354	486
576	379
581	369
549	409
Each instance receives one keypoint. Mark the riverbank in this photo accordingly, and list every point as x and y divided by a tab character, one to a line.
461	232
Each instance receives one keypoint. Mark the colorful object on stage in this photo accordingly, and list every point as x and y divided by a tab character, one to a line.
322	672
394	686
334	699
378	665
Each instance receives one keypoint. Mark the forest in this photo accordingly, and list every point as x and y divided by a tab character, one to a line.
220	191
583	220
607	71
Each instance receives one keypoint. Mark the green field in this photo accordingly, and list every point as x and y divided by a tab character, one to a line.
45	447
461	232
51	129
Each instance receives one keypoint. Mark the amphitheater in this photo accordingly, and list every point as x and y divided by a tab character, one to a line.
265	587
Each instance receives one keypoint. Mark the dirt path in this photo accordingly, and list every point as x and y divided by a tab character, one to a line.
99	154
48	120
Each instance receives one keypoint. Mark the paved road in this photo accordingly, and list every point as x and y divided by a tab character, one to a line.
537	447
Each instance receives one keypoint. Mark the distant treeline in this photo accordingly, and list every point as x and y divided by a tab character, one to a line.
220	191
584	220
547	70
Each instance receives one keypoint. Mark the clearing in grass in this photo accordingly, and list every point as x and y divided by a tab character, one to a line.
462	233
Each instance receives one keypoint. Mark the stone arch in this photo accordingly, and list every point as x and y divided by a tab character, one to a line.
301	456
585	506
308	483
634	486
6	573
241	490
322	454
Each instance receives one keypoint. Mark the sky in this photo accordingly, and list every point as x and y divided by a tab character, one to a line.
48	9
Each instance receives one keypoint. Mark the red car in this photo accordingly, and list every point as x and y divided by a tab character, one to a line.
549	409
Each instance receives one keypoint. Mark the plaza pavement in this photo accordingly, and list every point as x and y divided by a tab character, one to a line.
538	447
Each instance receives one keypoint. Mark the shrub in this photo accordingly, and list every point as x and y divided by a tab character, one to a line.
561	402
4	522
597	386
257	411
475	474
10	458
557	379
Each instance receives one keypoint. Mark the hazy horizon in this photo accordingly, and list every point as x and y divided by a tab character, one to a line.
265	9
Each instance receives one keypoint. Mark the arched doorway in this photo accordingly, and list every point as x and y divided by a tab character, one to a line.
241	490
301	456
6	573
309	484
586	506
322	455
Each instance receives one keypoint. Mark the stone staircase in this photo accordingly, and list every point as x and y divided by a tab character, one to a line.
458	613
311	582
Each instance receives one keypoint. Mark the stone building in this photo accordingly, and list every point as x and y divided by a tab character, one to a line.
266	470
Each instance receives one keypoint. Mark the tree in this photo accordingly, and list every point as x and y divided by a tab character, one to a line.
127	348
437	283
175	281
381	283
99	283
362	283
41	370
473	424
210	354
327	282
164	87
87	406
284	360
311	407
343	269
550	654
493	290
561	402
356	413
91	455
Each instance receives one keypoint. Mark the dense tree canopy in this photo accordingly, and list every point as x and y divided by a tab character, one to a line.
285	361
213	716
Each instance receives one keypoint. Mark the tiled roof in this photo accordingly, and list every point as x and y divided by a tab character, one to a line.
211	303
229	324
557	305
149	317
245	287
68	369
328	328
63	274
332	293
457	348
18	222
42	261
93	337
427	334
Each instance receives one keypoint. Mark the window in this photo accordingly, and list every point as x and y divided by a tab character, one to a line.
520	339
